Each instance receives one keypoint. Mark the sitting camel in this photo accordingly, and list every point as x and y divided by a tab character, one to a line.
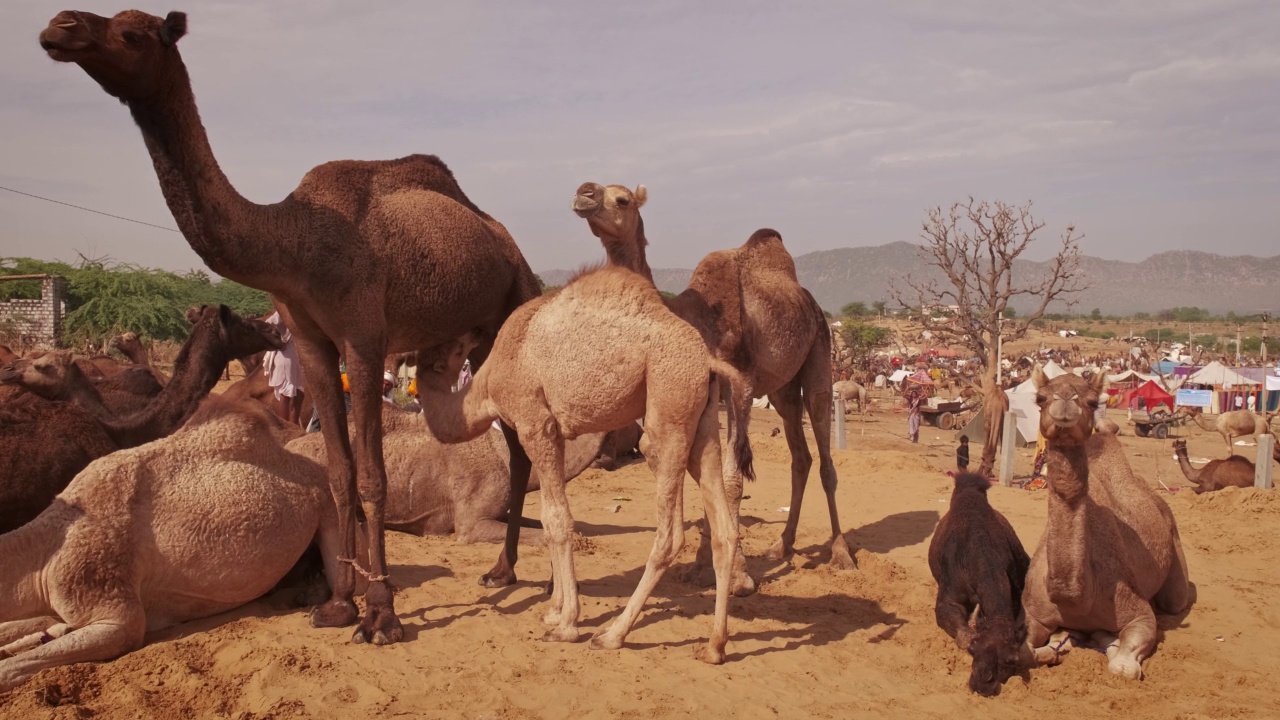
464	489
753	314
131	345
610	327
1110	555
192	525
979	563
1235	471
45	442
850	391
1233	424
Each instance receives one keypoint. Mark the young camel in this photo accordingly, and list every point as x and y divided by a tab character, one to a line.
363	258
655	366
1110	556
198	523
1233	424
753	314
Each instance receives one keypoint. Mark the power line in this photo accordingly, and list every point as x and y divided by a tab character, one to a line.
97	212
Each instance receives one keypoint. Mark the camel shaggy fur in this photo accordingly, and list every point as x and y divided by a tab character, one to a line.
610	326
438	489
1110	556
44	443
363	259
192	525
752	313
979	563
1235	471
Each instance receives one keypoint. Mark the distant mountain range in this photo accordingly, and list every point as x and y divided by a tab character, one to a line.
1178	278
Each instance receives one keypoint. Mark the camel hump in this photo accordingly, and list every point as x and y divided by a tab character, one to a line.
972	481
764	235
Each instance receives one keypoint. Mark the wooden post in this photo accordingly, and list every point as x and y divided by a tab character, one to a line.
1262	469
1007	441
840	443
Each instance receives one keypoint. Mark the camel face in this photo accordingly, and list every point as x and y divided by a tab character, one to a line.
126	54
43	375
610	212
1066	406
995	657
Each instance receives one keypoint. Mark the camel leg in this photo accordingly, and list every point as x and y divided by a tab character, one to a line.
815	377
705	459
546	452
503	572
1137	640
786	401
15	629
1175	594
668	460
100	640
492	530
953	617
320	370
364	371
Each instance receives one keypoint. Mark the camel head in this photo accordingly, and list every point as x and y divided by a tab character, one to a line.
438	367
130	55
1180	448
126	341
1066	405
996	650
241	336
45	375
612	212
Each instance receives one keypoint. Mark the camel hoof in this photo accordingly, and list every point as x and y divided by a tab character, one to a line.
494	580
334	614
1126	667
778	552
604	642
569	635
380	626
841	558
710	656
742	585
697	574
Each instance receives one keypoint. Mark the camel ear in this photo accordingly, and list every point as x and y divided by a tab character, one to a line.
1038	378
193	315
1100	382
173	28
641	194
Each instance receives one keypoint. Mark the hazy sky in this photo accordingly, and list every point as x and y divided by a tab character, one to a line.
1150	125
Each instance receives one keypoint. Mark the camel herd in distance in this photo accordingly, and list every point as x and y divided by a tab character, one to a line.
189	504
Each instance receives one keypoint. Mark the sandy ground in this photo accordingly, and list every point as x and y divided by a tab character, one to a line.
812	643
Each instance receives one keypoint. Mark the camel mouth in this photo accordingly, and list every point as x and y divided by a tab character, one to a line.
61	44
585	207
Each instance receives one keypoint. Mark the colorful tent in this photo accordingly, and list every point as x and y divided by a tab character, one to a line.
1215	373
1151	393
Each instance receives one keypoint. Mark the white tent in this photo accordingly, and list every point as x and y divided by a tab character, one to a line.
1022	403
898	375
1215	373
1130	376
1051	370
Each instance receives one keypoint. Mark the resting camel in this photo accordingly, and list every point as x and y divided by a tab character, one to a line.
850	391
438	489
1110	556
44	443
1233	424
192	525
1235	471
753	314
131	345
363	258
609	325
7	355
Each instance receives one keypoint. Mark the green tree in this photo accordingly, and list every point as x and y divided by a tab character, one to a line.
1096	314
879	306
857	341
854	309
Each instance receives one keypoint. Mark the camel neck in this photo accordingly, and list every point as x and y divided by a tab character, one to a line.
81	392
630	252
232	235
1066	532
1190	473
26	552
195	372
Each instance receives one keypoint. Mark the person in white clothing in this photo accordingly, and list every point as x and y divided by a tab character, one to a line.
284	374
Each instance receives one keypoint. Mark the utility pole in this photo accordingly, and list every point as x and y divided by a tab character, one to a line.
1237	344
1265	317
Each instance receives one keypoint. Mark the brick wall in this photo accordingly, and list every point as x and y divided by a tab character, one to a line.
36	323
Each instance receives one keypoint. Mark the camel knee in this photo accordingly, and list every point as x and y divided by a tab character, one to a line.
828	473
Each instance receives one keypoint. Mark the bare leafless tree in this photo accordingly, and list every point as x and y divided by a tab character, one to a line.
975	244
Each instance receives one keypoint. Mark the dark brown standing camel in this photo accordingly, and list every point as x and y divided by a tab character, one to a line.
753	314
45	442
365	258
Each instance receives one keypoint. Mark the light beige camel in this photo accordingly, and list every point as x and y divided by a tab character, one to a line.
195	524
610	327
753	314
131	345
1235	471
1233	424
1110	555
850	391
364	259
995	403
437	489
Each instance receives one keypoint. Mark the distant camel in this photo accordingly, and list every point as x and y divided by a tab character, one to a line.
1234	424
1235	471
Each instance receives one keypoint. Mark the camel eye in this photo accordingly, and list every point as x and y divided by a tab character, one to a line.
133	38
624	201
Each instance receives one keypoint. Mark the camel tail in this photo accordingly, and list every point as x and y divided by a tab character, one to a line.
461	416
742	455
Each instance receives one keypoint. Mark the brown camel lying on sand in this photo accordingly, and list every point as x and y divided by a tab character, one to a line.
1235	471
44	443
1110	556
192	525
437	489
